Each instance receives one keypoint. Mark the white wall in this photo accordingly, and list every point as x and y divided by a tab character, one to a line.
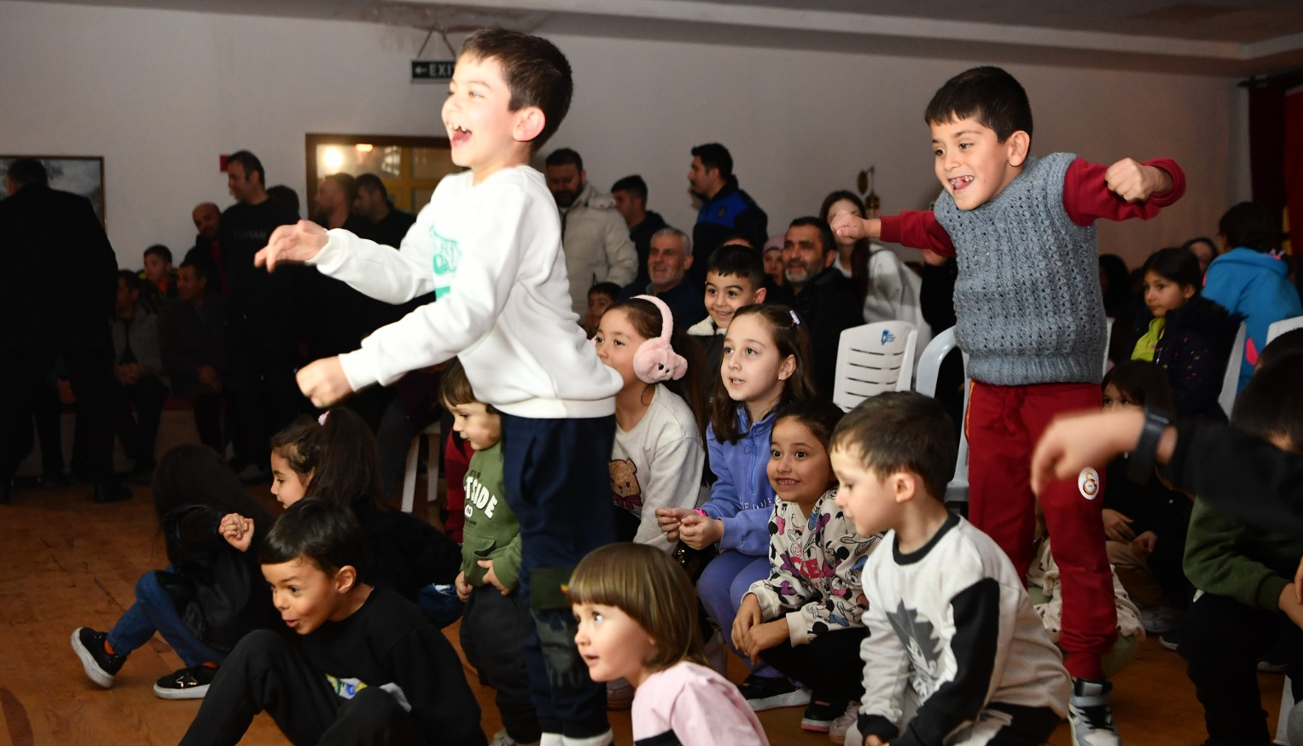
160	94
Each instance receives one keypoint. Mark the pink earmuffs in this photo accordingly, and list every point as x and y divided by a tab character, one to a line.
655	360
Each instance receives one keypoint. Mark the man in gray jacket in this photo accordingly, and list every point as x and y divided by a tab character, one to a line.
594	235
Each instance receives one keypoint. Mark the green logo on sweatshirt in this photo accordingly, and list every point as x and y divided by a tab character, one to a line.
447	255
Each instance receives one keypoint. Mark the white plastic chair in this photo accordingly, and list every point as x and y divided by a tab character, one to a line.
929	367
1231	382
1284	325
434	433
873	358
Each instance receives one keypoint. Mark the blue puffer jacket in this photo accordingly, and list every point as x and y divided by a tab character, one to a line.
1256	286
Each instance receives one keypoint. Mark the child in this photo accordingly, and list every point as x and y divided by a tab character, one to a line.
1251	278
804	619
772	254
637	621
370	667
658	456
765	367
600	298
1249	605
1145	523
210	595
160	286
495	623
1189	336
949	622
489	245
1031	320
735	277
334	458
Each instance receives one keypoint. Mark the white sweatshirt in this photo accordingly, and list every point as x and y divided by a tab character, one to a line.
492	254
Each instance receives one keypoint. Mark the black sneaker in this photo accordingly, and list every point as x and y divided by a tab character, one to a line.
101	666
185	683
820	714
765	693
1171	640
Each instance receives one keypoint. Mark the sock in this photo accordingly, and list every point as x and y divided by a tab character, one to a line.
208	664
109	648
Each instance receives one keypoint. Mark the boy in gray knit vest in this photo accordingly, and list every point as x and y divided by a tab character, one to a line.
1031	318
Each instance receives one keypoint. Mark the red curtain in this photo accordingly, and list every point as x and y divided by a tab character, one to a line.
1292	165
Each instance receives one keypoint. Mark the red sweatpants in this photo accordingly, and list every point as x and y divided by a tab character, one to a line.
1003	424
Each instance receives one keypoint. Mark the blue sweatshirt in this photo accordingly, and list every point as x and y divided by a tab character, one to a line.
742	497
1257	286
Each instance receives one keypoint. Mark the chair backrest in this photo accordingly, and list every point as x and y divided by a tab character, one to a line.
874	358
1284	325
1231	382
929	367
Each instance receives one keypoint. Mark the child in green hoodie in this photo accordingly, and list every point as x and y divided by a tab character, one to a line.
495	624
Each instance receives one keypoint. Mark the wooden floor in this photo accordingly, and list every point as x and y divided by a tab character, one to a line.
70	563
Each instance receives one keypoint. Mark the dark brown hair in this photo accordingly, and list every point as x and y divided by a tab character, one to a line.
988	94
536	73
792	339
649	586
901	431
339	457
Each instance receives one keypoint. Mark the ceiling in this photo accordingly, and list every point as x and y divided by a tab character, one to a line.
1228	37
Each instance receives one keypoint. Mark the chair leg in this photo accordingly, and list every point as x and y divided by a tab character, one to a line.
432	468
409	477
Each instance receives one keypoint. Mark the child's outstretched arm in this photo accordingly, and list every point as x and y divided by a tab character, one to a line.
292	244
1122	191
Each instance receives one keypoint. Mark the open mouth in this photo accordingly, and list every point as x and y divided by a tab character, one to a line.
458	135
291	623
959	183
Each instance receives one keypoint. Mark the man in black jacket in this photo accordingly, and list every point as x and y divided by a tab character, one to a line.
825	299
58	285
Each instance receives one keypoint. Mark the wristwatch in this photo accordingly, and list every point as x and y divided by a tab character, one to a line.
1140	465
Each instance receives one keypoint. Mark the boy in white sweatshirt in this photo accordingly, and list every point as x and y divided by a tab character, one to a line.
489	246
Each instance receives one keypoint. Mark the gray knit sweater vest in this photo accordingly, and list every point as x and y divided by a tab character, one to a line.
1027	301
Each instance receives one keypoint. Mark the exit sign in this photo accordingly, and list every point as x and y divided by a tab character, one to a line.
432	71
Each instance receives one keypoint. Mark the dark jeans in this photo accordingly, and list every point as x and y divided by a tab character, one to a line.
138	434
1222	642
155	611
266	672
558	483
494	628
827	664
262	391
24	387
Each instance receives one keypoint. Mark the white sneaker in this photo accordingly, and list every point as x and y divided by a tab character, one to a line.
837	733
1090	715
502	739
619	694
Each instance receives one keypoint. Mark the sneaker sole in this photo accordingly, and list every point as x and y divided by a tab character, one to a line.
92	668
798	698
193	692
817	726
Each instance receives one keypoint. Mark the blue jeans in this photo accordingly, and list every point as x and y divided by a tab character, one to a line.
152	612
723	583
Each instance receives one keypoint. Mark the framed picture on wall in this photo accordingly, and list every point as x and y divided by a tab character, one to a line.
79	174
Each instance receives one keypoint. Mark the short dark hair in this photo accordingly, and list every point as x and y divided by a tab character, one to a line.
536	73
347	183
131	279
714	155
371	183
1249	225
454	387
160	251
825	231
738	261
1144	383
317	530
565	157
1287	344
250	163
901	431
1176	264
286	196
634	185
609	289
1202	239
988	94
25	171
200	268
1272	402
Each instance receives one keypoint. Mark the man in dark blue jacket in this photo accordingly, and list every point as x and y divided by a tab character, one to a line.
726	210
